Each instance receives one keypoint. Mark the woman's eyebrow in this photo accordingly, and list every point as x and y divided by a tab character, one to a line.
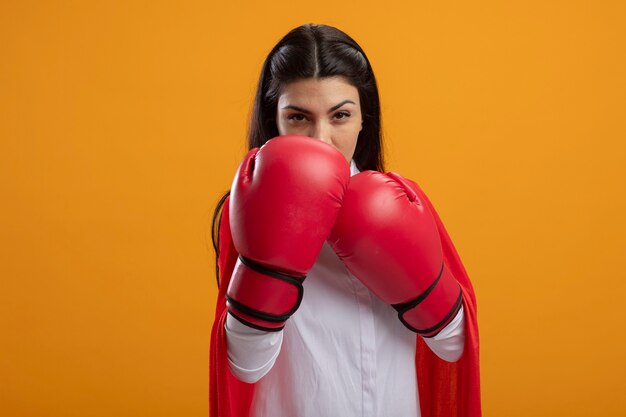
296	108
302	110
339	105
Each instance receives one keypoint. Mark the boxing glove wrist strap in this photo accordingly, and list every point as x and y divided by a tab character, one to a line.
253	323
434	330
296	280
428	316
402	307
262	296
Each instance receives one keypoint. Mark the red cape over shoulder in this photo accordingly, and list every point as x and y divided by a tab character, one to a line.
445	389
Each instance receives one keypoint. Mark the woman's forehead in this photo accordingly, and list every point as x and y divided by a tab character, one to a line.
318	91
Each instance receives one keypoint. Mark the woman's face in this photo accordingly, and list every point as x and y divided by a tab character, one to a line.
327	109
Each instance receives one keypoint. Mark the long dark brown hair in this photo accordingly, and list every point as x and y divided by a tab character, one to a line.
313	51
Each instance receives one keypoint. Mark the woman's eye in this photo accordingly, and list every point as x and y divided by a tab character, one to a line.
297	117
342	115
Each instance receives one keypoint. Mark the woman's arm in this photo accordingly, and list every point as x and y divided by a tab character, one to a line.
251	352
448	343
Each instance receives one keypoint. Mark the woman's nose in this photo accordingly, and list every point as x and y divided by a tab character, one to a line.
321	131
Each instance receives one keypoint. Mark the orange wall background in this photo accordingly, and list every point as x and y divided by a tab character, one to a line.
122	123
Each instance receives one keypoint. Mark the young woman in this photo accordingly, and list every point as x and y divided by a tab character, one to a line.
340	291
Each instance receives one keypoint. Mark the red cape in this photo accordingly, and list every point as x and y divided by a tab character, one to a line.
445	389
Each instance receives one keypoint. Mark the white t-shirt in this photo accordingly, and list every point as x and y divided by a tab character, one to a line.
343	353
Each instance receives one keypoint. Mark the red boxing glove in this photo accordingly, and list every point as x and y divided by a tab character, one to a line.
389	240
284	200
